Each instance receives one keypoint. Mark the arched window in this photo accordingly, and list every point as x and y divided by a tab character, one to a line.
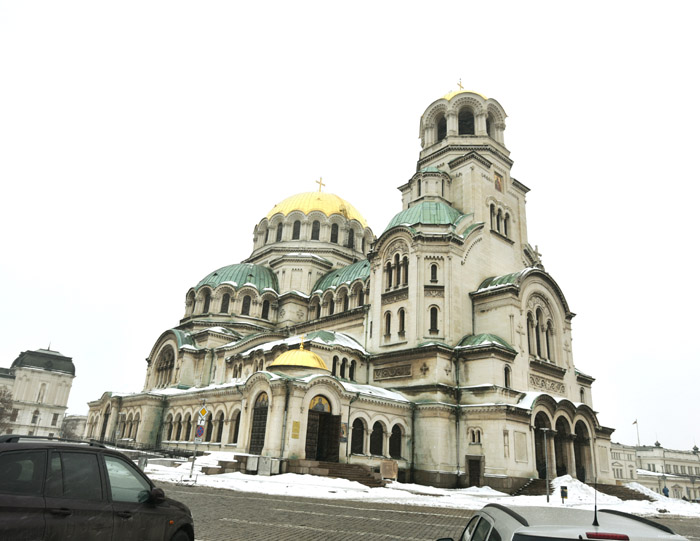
178	427
209	429
207	302
506	225
245	309
420	187
582	394
395	442
402	321
219	427
334	233
433	272
376	440
236	423
489	131
466	122
296	230
492	211
499	221
361	297
331	307
188	428
335	366
278	237
225	300
387	324
353	365
318	310
549	339
388	275
267	235
530	334
506	377
405	271
351	239
538	328
441	128
346	303
343	366
35	417
358	437
397	269
266	310
315	230
433	319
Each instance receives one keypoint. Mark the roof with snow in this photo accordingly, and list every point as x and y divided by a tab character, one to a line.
258	276
483	340
344	275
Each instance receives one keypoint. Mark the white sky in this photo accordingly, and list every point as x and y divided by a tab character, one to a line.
140	143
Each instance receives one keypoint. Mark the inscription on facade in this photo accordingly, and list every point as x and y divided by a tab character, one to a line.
388	298
547	384
401	371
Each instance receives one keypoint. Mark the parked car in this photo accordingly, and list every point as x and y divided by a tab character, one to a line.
499	523
54	489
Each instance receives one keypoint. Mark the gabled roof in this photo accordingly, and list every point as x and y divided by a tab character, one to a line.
344	275
241	274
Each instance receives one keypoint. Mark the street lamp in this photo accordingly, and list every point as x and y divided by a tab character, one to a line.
546	460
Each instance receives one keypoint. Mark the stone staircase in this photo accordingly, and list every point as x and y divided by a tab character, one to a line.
352	472
623	493
538	487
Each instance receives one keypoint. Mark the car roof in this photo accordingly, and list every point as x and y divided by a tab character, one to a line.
547	519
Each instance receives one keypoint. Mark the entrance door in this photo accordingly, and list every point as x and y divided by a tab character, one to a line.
322	432
257	434
474	472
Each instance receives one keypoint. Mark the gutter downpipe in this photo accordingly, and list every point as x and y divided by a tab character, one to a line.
284	418
458	399
347	447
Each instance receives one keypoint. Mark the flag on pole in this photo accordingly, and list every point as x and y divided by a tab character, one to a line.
635	422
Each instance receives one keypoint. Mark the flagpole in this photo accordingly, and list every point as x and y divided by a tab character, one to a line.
637	424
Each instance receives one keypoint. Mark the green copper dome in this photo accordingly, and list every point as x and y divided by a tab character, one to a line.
343	275
427	213
242	273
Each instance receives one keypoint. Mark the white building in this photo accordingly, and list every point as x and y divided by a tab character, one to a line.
40	382
442	344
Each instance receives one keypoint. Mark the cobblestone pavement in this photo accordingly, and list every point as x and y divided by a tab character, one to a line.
227	515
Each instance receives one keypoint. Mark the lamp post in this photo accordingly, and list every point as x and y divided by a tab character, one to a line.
546	460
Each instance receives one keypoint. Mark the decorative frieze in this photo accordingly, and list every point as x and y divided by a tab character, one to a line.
390	372
395	296
548	385
434	291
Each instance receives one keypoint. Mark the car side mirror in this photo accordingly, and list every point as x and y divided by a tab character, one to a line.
156	495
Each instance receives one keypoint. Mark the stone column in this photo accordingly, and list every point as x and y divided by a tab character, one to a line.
452	123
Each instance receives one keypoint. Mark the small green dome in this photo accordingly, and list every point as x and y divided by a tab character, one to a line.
427	213
242	273
344	275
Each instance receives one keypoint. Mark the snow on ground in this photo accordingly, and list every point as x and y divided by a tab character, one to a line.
289	484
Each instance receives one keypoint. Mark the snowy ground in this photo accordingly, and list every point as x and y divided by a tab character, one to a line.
311	486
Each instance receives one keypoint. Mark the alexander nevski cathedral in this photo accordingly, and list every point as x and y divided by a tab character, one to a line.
442	343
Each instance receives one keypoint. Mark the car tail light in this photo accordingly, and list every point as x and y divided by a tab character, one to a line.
605	535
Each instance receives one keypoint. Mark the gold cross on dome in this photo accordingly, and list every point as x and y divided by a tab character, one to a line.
301	345
320	183
459	84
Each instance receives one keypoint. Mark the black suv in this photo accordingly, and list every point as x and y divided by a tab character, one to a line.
54	489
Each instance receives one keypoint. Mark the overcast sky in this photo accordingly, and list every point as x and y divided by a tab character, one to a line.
140	143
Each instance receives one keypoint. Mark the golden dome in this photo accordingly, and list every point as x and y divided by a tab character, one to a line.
327	203
299	357
451	95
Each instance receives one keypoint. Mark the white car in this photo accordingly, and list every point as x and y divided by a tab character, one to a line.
499	523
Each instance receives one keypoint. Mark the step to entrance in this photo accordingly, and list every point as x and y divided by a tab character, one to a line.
352	472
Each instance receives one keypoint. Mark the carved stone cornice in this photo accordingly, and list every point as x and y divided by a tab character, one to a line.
395	296
549	369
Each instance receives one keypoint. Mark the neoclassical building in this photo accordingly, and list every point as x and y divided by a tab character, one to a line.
442	343
40	382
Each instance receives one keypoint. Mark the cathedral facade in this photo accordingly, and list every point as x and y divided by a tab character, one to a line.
441	343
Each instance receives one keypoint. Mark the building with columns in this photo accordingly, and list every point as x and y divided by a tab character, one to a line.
442	343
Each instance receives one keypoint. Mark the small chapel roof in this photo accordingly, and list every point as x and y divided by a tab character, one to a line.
483	340
426	213
327	203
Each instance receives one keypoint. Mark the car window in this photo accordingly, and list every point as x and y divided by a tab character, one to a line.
481	530
75	476
126	483
22	473
470	528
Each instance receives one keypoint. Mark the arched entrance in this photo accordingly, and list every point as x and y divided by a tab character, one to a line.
562	440
542	429
257	432
104	424
582	452
322	431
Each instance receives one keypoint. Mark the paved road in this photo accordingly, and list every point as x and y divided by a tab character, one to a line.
226	515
